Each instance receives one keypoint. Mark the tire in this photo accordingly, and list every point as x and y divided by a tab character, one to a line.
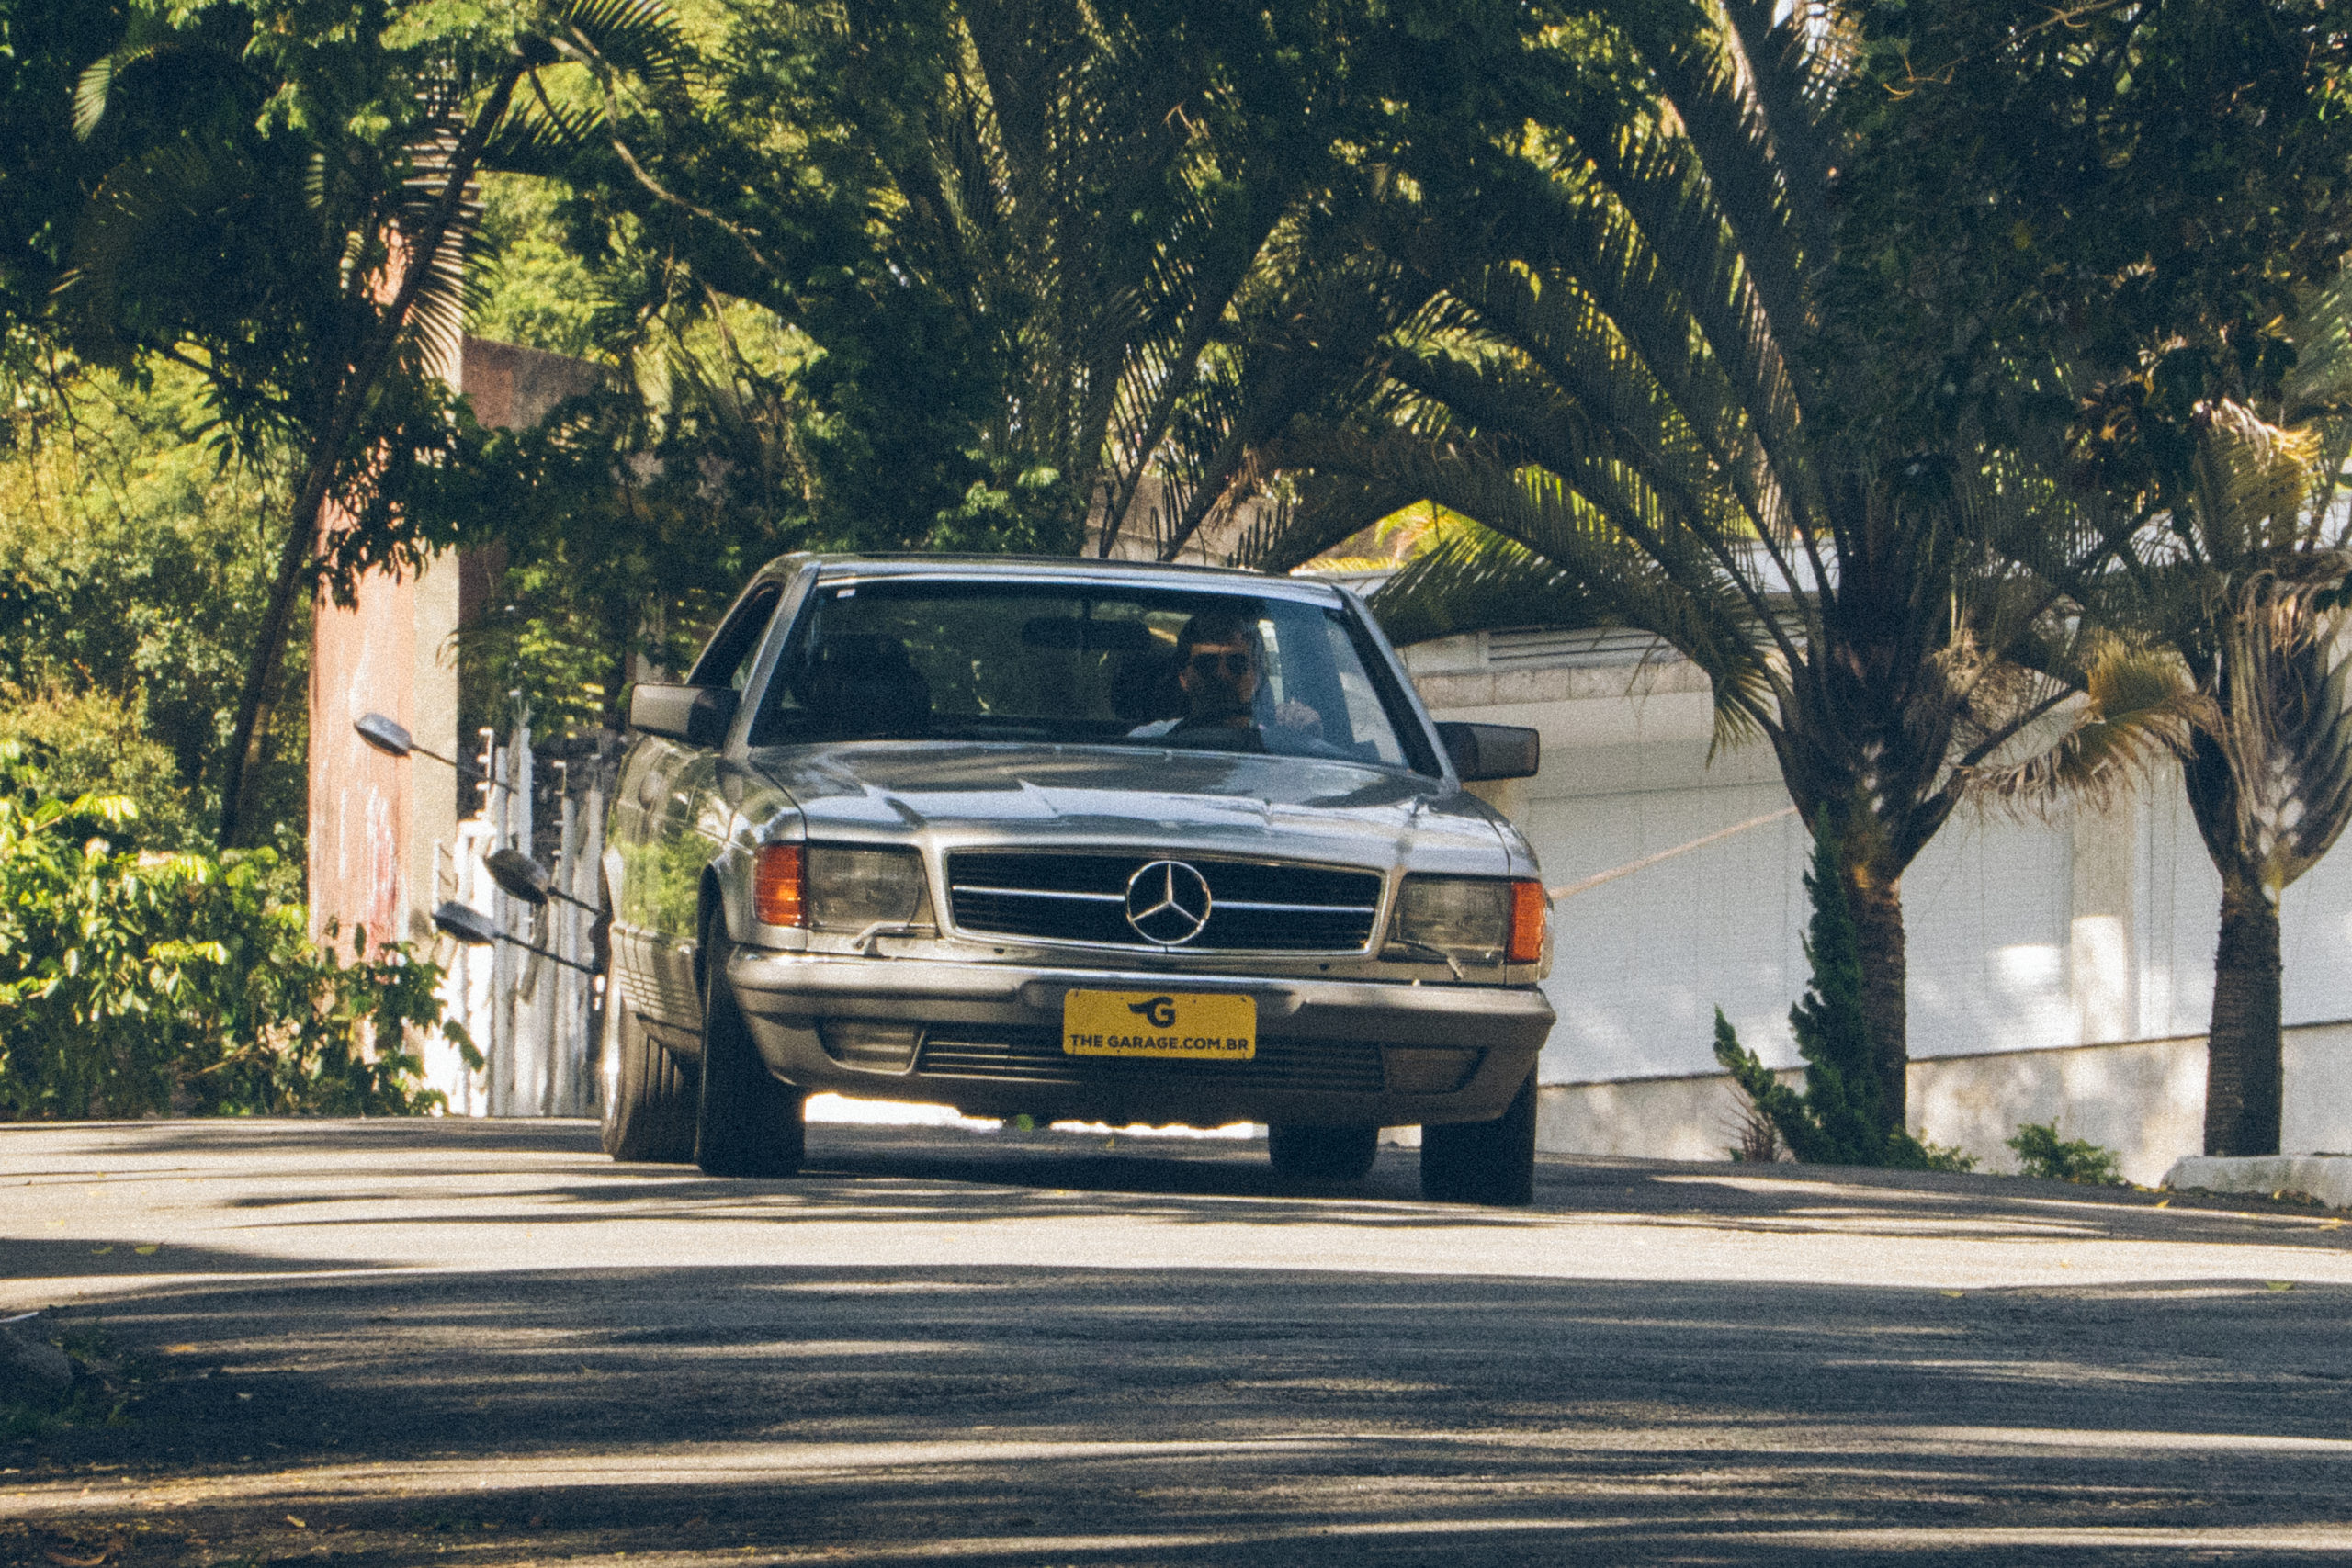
1484	1162
1302	1152
747	1124
649	1114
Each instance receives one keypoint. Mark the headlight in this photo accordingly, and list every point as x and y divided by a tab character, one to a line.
1472	920
852	889
836	889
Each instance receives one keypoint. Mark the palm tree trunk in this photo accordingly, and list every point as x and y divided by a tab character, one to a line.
1876	903
2243	1050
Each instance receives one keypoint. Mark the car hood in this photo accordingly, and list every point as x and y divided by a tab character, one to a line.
1161	800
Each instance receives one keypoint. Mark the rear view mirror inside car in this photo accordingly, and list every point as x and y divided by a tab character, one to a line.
1086	637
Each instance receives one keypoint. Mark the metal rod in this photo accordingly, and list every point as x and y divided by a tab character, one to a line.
543	952
467	769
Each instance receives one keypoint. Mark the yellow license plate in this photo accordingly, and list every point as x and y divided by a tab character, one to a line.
1159	1023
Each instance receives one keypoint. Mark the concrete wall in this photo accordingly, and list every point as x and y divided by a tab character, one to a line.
2146	1099
2058	968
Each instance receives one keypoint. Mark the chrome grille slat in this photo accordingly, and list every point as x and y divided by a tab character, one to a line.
1043	893
1079	897
1346	1067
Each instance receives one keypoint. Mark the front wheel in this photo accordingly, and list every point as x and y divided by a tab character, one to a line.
748	1123
1305	1153
1484	1162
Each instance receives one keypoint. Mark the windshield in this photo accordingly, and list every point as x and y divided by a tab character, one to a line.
1085	664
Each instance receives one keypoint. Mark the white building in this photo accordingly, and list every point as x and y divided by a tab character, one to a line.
2057	971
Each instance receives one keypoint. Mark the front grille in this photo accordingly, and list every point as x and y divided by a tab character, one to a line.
1035	1055
1255	906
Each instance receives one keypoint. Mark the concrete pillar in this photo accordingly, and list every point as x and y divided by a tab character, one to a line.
376	821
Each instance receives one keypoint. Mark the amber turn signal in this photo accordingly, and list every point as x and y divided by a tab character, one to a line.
1530	909
778	888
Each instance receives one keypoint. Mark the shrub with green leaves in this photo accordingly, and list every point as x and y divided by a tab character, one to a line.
135	982
2041	1152
1835	1119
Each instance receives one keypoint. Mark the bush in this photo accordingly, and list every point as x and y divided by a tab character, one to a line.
134	982
92	742
2040	1153
1835	1120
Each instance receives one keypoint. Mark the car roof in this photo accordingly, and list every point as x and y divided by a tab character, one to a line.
835	567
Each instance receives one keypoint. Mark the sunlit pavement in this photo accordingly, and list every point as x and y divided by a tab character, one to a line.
409	1342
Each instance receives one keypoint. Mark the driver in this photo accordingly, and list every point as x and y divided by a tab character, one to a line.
1219	666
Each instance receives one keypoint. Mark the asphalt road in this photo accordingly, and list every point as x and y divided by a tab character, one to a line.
400	1342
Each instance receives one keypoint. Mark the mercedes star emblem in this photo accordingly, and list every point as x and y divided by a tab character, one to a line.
1168	903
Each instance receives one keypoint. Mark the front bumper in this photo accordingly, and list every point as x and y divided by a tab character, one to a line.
986	1037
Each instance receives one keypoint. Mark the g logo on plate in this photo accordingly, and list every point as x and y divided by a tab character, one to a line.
1159	1011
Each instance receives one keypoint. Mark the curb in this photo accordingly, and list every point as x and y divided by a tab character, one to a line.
2327	1178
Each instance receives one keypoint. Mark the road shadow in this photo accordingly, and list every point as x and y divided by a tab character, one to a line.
1050	1414
885	1174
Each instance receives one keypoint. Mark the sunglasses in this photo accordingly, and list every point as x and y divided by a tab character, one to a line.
1230	662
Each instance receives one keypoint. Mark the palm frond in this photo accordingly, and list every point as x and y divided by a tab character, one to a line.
640	38
2252	478
1696	609
540	138
1474	580
2320	386
2136	710
1662	222
1714	96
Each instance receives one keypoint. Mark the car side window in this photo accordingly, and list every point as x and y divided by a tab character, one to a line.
727	661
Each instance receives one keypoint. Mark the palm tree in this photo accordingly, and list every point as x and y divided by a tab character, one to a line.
287	213
1640	389
1069	266
2245	572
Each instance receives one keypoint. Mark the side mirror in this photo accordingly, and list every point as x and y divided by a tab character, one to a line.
697	714
1492	751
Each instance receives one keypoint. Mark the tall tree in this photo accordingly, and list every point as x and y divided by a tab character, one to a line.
1065	268
1634	383
2162	191
2244	573
285	209
1768	360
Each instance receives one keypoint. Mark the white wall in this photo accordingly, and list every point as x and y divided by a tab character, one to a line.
2025	936
2144	1099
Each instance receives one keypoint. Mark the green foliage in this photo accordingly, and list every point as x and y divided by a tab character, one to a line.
132	576
2146	192
2042	1153
534	290
1051	262
44	44
1944	1157
1836	1120
136	982
280	203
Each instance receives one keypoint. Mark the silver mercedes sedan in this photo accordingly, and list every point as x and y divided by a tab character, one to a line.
1070	839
